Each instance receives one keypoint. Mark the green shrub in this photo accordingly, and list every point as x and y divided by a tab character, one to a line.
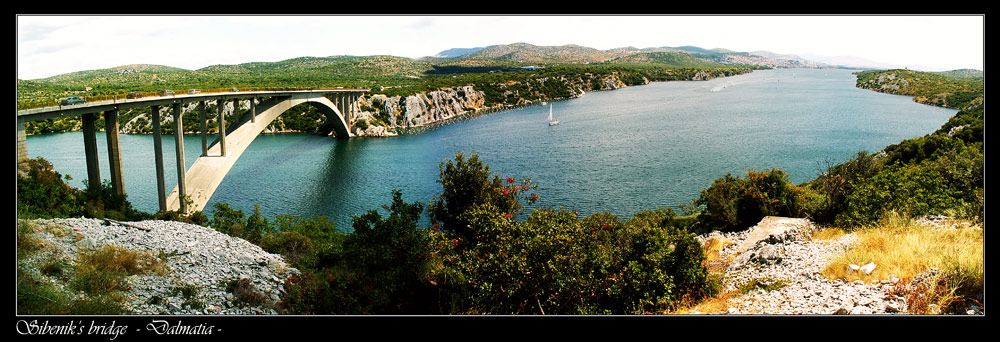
246	294
361	123
380	268
42	193
949	185
556	263
839	181
467	183
738	203
233	222
293	246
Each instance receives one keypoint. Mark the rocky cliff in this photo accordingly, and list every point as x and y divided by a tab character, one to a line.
383	115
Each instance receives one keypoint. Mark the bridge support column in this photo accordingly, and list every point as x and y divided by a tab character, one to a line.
341	99
253	110
236	110
114	151
350	110
222	125
179	148
22	141
161	192
204	128
90	150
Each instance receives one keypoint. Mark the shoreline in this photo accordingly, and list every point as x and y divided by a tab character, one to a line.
410	130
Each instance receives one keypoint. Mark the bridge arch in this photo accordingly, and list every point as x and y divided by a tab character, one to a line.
204	176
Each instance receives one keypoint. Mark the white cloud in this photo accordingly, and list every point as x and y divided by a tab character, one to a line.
51	45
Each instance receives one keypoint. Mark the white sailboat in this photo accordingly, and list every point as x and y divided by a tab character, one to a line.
551	120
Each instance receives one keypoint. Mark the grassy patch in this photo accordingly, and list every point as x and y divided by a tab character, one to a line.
766	284
830	233
190	295
902	248
92	285
104	270
713	247
42	297
27	243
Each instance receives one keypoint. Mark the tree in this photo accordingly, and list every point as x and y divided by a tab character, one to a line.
467	183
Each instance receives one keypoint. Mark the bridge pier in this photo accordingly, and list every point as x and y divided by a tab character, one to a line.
114	151
253	110
179	148
90	151
161	191
222	126
345	104
204	128
22	141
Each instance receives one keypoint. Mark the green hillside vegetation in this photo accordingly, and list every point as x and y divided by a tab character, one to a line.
963	73
938	89
672	59
527	53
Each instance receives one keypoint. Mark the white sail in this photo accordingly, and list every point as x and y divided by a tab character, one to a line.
551	120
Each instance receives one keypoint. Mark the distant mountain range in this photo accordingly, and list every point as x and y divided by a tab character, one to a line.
373	70
456	52
527	53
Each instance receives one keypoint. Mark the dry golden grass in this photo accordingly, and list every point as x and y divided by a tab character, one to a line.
714	246
902	248
104	270
714	305
830	233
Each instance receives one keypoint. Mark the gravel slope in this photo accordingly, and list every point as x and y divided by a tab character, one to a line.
779	249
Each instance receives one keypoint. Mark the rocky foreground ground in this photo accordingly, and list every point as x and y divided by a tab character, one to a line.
199	262
779	251
776	251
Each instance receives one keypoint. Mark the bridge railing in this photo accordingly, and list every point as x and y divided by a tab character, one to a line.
115	98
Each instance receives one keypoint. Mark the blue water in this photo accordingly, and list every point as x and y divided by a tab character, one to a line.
621	151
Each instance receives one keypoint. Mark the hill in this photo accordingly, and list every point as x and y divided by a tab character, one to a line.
953	89
667	59
527	53
456	52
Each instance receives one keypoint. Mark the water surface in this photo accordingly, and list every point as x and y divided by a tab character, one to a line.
621	151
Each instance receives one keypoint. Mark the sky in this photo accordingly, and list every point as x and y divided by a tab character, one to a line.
54	45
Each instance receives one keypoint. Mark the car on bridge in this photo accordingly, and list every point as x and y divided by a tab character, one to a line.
133	95
71	101
166	92
193	91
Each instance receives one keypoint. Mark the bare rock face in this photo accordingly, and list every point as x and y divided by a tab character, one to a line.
424	108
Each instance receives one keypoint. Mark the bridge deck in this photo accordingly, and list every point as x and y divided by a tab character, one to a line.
44	113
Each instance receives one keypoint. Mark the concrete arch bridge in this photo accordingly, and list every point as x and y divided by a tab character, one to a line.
195	186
